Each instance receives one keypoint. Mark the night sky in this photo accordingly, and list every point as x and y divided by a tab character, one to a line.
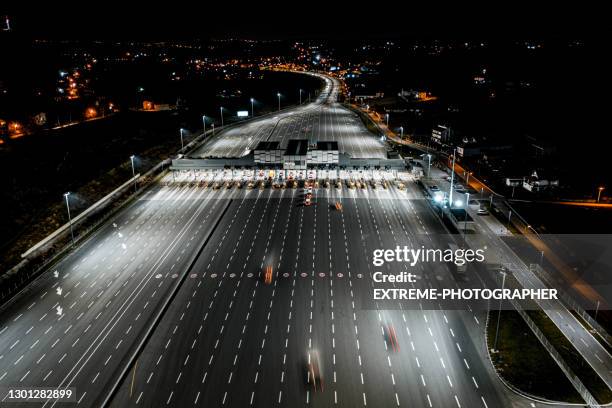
281	20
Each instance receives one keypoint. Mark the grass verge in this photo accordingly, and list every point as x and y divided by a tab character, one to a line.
524	363
596	386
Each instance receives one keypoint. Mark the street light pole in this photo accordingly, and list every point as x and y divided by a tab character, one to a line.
133	172
300	96
182	144
278	95
467	205
387	119
499	311
221	109
600	189
429	166
401	132
450	193
204	123
69	217
252	108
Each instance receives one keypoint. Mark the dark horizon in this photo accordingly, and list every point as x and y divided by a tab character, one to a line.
349	22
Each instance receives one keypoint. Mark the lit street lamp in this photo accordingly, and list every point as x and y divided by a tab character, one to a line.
401	132
600	189
387	119
204	123
252	108
278	95
182	145
133	172
69	217
429	166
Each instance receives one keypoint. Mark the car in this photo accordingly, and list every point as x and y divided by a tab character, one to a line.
339	206
315	371
401	186
268	275
390	336
434	188
483	211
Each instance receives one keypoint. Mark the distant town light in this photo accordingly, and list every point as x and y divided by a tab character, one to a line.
90	113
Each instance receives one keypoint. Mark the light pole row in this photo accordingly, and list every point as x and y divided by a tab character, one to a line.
252	100
67	195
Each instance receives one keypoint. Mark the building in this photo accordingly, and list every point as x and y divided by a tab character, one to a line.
479	149
537	183
441	135
540	148
326	153
268	153
296	154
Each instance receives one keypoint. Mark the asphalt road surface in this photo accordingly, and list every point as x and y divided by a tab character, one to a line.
166	305
323	120
229	339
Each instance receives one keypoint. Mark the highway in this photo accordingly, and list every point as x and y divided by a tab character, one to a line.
323	120
165	305
230	340
507	252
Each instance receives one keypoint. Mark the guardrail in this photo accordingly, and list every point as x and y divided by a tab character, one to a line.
34	263
571	304
76	220
569	373
43	255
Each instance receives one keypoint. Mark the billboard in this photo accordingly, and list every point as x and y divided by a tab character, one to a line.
242	114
